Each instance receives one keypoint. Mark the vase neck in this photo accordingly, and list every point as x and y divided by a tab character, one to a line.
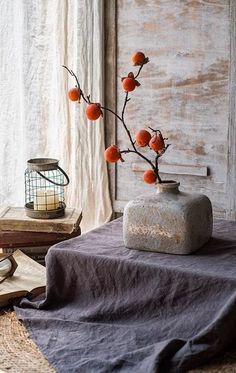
168	187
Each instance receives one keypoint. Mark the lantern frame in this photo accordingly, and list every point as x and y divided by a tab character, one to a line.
44	188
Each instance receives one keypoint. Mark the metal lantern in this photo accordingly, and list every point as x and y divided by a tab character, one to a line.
44	189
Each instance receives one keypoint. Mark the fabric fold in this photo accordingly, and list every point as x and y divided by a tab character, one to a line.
107	307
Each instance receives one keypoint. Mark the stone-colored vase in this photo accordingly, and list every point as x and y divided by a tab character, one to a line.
169	221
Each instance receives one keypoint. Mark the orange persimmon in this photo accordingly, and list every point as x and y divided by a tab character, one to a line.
93	111
143	137
74	94
157	142
129	84
112	154
139	59
149	177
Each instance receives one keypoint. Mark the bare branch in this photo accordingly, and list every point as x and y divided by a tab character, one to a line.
122	120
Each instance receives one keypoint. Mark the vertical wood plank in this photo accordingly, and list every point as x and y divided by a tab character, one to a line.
231	180
110	73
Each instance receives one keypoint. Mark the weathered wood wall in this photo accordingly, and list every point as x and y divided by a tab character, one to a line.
187	91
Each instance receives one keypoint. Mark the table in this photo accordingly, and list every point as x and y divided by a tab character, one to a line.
108	307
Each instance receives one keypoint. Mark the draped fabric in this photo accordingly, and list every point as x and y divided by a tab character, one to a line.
36	118
111	309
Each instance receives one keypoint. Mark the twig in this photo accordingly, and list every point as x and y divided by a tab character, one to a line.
71	72
122	120
140	154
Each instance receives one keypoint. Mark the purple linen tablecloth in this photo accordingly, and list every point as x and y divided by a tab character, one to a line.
111	309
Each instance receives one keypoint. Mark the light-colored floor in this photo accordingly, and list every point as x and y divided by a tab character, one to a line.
18	353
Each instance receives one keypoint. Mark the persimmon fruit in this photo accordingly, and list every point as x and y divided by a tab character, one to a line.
74	94
139	58
149	177
157	142
112	154
93	111
143	137
129	84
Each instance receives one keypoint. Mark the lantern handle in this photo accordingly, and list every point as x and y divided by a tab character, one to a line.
11	271
53	182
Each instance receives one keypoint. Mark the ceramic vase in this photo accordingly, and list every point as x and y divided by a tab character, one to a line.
169	221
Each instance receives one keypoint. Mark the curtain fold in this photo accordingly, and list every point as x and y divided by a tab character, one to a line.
36	119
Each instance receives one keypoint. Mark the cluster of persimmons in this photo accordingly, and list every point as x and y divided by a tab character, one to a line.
143	137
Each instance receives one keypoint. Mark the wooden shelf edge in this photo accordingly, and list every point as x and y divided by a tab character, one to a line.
166	168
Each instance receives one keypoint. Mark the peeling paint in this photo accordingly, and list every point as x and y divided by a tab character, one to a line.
184	89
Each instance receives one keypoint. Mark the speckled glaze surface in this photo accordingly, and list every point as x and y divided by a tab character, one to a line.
169	221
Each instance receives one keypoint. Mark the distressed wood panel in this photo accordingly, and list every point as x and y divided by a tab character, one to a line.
184	91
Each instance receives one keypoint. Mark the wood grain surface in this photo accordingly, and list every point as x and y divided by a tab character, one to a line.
185	92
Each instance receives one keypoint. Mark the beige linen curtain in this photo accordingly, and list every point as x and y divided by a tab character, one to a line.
36	118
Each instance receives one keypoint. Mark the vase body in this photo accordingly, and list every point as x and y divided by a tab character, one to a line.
169	221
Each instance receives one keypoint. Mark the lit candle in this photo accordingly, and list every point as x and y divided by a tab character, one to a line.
46	200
